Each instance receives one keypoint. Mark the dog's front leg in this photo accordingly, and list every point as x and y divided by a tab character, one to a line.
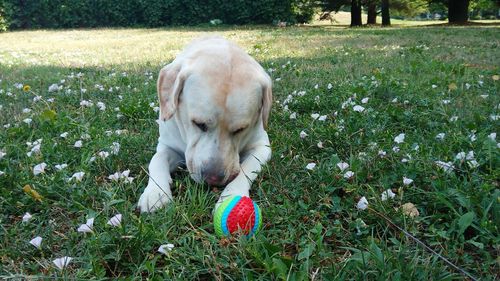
256	157
157	194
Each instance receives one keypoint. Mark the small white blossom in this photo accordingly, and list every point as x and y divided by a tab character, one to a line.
293	116
349	174
473	164
54	88
37	242
26	110
2	154
365	100
445	101
78	144
64	135
407	181
440	136
315	116
164	249
388	194
103	154
115	148
27	120
399	138
322	118
311	166
446	166
319	144
115	221
87	227
460	156
63	262
396	149
101	106
382	153
61	166
362	204
342	166
303	134
492	136
494	117
77	176
472	137
358	108
27	217
40	168
453	118
329	86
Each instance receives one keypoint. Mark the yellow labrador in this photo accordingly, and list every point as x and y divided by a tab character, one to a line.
214	106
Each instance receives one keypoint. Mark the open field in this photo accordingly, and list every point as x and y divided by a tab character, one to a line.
410	110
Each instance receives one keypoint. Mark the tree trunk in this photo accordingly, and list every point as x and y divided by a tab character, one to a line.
386	17
458	11
372	12
356	13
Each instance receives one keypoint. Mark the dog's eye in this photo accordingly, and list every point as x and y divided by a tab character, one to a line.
239	131
202	126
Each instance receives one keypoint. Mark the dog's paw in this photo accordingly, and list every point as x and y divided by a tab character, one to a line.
153	198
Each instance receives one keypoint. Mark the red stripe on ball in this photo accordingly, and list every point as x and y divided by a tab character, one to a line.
242	216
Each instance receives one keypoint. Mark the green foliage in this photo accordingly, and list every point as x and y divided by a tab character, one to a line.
152	13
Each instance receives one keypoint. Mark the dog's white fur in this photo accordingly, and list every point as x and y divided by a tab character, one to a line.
214	85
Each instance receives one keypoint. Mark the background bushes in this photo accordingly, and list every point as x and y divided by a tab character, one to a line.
26	14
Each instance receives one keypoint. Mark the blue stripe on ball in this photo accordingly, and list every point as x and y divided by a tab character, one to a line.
256	223
226	213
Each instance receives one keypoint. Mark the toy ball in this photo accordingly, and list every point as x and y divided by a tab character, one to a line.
237	214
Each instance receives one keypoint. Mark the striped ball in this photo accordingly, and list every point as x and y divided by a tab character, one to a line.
237	214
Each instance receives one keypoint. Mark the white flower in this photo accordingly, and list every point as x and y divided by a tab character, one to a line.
78	144
492	136
473	164
26	110
395	100
37	242
85	136
494	117
407	181
27	217
2	173
460	156
54	88
103	154
445	101
388	194
86	103
434	86
40	168
64	135
396	149
365	100
329	86
311	166
446	166
472	137
303	134
115	148
362	203
87	227
77	176
319	144
358	108
165	248
453	118
342	166
322	118
293	115
349	174
2	154
61	263
101	106
382	153
61	166
400	138
484	96
28	120
470	155
440	136
115	221
315	116
115	176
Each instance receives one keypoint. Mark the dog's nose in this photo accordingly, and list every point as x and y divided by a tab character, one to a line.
217	178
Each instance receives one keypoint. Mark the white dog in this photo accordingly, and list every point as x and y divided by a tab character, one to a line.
214	106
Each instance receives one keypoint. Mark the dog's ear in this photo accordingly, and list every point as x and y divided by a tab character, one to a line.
169	86
267	100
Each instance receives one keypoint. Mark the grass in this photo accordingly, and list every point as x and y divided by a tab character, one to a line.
420	81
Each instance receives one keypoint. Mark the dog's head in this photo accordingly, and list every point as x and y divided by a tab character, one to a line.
220	98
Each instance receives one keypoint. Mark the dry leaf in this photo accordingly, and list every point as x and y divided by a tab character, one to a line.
410	210
452	86
495	77
33	193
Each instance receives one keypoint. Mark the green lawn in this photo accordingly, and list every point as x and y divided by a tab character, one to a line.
418	103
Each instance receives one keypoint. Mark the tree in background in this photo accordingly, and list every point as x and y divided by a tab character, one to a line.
356	19
458	10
